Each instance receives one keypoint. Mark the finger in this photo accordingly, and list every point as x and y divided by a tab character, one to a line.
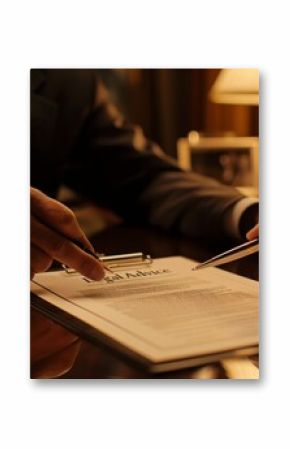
253	233
58	216
47	337
39	260
64	251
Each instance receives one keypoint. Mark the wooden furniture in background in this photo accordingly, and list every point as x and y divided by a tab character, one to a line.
169	103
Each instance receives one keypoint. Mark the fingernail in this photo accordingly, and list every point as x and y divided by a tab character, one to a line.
96	273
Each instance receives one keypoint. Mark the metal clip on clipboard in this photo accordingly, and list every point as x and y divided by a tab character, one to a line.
119	261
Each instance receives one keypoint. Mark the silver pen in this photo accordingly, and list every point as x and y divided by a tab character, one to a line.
238	252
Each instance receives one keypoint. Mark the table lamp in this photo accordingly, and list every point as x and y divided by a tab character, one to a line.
236	86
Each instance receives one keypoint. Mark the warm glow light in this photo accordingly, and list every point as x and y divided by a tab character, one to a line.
193	138
236	86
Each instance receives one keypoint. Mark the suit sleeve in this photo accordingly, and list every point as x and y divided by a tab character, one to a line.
114	165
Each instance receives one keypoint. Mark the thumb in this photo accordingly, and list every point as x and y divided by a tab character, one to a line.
253	233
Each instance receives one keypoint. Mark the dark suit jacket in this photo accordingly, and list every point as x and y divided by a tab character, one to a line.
78	138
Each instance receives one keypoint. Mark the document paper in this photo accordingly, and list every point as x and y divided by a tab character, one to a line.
161	312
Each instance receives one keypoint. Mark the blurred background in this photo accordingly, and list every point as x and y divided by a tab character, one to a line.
169	103
207	119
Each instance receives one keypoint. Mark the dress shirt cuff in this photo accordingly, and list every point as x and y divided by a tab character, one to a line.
232	218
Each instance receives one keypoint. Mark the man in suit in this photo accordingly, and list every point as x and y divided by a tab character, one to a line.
78	138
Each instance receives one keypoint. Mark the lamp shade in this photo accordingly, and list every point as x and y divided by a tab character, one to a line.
236	86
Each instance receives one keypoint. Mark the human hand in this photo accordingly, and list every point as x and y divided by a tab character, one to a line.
253	233
53	349
51	222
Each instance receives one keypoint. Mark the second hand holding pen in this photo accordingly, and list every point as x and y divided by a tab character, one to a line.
236	253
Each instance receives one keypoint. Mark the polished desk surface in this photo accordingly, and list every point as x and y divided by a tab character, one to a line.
96	362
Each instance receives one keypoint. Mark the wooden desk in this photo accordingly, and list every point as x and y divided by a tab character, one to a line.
97	362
